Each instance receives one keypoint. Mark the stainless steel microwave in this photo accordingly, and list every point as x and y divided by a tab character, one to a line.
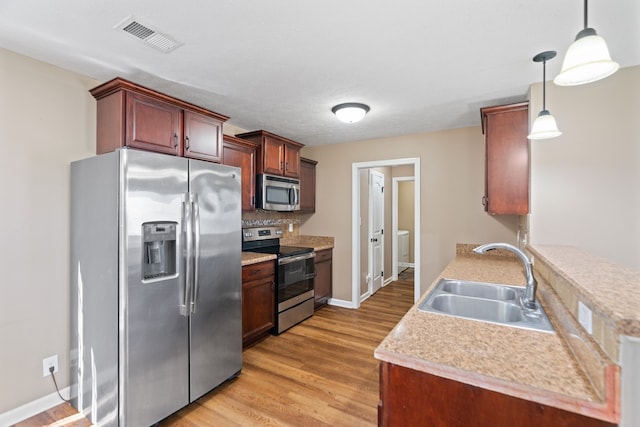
277	193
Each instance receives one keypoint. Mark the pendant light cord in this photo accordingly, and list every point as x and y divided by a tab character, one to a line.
586	2
544	84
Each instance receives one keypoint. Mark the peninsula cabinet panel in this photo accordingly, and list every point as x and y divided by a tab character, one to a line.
130	115
507	159
258	301
307	185
241	153
276	155
414	398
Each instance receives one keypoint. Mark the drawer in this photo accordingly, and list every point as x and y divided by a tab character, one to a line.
259	270
323	255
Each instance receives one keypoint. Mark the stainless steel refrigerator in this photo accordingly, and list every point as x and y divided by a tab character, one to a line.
156	318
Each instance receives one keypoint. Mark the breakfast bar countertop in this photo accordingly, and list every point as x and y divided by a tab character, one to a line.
532	365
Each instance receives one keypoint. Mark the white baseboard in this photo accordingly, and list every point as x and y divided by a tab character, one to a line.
340	303
406	264
30	409
389	280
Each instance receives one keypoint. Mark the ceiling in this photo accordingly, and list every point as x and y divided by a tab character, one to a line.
422	65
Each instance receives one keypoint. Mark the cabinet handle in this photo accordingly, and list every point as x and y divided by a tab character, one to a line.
175	140
287	166
253	201
187	140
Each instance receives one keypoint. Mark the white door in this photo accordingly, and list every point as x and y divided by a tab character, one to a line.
376	232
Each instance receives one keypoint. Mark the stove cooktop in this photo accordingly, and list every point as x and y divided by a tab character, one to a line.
282	251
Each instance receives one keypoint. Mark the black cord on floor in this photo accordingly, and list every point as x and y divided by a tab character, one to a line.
53	377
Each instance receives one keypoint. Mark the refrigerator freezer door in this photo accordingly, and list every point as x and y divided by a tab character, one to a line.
216	323
154	343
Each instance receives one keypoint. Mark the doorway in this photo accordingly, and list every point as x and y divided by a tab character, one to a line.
358	247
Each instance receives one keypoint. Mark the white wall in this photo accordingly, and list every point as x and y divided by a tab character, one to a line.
47	119
585	184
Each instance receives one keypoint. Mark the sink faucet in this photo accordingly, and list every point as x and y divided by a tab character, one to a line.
529	297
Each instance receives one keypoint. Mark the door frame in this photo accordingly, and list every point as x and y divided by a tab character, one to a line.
355	222
394	222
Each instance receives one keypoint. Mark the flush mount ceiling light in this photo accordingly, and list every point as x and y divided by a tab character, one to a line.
350	112
587	59
544	125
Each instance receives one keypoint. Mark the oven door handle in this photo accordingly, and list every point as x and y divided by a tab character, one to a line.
289	260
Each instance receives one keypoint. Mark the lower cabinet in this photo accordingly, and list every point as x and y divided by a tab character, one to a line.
324	277
258	301
414	398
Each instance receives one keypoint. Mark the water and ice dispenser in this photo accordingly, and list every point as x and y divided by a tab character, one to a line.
158	250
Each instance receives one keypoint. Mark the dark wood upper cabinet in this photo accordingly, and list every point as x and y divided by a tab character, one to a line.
276	155
130	115
151	124
202	137
307	185
506	159
242	153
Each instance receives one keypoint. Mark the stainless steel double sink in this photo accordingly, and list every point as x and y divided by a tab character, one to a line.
487	302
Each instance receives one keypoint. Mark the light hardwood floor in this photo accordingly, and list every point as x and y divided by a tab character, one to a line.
319	373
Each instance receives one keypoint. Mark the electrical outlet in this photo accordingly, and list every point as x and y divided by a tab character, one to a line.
585	317
47	363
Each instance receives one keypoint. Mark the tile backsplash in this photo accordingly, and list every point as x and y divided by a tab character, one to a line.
271	218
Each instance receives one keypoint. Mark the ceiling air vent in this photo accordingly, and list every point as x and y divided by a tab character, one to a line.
151	37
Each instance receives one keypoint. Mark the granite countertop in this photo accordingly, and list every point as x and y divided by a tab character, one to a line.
318	243
249	258
611	290
532	365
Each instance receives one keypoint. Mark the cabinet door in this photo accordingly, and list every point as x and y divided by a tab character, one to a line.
258	301
323	279
273	156
507	159
202	137
291	161
307	185
153	125
242	156
258	309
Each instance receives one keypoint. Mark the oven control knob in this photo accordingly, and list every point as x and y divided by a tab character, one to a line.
278	232
247	234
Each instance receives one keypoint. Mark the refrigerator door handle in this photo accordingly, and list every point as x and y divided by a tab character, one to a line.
196	255
187	222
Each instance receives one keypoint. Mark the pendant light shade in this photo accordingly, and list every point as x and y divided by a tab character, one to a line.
350	112
587	59
544	126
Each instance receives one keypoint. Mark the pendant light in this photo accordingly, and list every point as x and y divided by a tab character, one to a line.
544	126
350	112
587	59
